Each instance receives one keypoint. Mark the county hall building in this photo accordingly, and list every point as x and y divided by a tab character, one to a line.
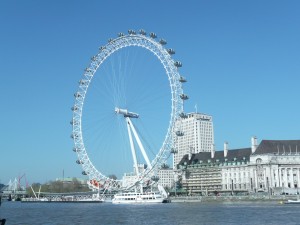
273	166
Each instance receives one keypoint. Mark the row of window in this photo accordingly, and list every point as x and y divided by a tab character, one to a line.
133	199
235	186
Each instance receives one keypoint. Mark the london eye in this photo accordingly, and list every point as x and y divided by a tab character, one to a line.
125	110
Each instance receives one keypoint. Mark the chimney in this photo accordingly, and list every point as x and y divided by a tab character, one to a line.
253	144
225	149
190	155
212	151
191	152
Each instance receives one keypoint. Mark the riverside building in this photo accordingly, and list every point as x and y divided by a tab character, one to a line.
165	174
273	166
194	134
166	177
130	178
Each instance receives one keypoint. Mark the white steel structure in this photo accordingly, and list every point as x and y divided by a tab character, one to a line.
197	135
122	108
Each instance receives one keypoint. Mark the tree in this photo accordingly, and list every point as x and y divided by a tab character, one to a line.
59	187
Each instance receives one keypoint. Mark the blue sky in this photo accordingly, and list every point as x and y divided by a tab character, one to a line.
241	58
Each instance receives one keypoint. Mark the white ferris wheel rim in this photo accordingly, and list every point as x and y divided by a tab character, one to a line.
171	70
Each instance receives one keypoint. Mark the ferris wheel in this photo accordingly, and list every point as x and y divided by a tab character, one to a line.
119	82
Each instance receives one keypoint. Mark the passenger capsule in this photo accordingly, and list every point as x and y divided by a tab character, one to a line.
74	136
77	95
102	48
83	82
74	108
110	40
87	70
184	97
162	42
131	32
79	161
179	133
182	79
76	149
178	64
173	151
142	32
84	173
171	51
74	122
153	35
94	58
120	34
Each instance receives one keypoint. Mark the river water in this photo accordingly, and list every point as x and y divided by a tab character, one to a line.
242	213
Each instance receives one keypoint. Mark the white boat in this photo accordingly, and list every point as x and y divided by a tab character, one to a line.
133	197
145	197
293	201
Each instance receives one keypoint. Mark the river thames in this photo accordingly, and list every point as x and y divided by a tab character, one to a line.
174	213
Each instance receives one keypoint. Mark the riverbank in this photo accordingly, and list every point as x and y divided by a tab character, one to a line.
248	198
200	213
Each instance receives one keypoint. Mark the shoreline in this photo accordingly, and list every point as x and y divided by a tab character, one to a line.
251	198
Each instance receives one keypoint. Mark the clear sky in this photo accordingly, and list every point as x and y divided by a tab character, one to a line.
241	59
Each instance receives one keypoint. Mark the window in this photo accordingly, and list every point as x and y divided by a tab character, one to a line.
258	161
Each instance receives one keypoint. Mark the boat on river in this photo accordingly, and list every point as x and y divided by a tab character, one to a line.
134	197
143	197
293	201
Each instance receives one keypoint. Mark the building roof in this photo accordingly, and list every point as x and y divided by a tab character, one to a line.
278	146
232	155
243	154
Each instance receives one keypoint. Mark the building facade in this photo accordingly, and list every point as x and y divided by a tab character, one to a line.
166	177
194	134
130	178
210	172
273	167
